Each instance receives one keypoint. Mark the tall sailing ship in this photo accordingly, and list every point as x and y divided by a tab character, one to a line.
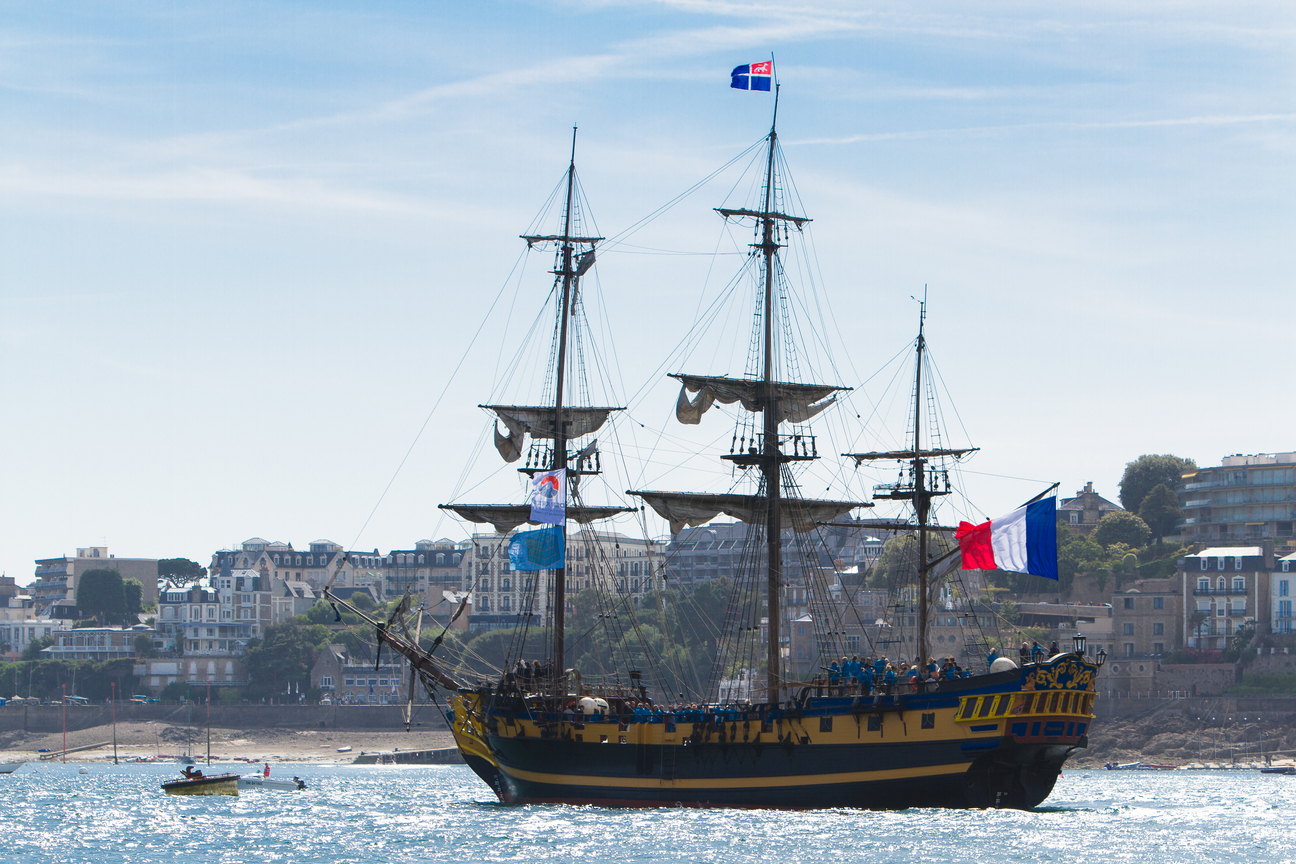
540	732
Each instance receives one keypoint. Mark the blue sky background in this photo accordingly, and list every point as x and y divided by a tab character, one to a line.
242	246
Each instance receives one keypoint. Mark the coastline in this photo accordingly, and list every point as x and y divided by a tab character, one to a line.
163	742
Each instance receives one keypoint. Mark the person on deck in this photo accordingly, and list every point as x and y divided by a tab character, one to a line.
1037	653
1024	653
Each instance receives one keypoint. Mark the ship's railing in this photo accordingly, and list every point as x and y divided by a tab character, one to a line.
973	709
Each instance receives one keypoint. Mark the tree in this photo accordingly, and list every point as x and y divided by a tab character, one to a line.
180	571
284	657
143	645
133	592
1149	471
362	600
36	646
1009	612
1198	620
1121	526
101	595
1160	510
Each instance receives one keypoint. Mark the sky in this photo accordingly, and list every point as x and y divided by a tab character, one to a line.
259	261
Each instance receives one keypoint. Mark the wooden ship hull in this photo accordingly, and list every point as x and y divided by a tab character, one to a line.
996	740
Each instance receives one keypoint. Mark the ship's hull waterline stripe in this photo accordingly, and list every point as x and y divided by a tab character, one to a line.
735	782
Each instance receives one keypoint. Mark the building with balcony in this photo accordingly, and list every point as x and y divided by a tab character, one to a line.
95	643
218	618
1230	587
54	590
1244	499
1280	592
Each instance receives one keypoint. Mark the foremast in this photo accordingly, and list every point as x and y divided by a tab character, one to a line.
559	422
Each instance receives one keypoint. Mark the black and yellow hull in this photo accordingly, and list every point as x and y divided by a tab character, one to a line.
993	741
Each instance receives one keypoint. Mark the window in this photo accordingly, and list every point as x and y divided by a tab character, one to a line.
505	585
1129	649
1203	563
1237	563
1129	629
1158	628
800	652
1219	583
349	682
1283	586
484	604
1219	611
1158	647
382	682
1158	602
326	680
1239	583
800	629
421	559
505	604
310	560
1203	584
1075	517
1129	602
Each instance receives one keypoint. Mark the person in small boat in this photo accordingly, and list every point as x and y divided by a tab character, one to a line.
192	773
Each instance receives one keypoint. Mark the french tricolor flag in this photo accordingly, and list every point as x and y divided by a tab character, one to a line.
752	76
1024	541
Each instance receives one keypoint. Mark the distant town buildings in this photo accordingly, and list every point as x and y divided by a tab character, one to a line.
1242	500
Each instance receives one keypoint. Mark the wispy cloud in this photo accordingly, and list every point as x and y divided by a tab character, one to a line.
916	134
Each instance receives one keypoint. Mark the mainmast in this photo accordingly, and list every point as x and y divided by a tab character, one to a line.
770	468
560	428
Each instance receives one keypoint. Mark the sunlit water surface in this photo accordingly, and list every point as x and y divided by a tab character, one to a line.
52	813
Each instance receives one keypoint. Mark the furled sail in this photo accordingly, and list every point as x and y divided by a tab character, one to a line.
538	422
797	403
506	517
690	509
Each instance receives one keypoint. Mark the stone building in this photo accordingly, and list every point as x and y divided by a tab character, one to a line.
1147	618
1083	512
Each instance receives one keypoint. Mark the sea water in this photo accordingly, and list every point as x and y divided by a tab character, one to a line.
380	814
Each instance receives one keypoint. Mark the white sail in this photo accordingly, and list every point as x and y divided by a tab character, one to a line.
690	509
506	517
538	422
797	403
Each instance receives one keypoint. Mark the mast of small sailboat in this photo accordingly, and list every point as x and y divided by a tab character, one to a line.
560	431
770	468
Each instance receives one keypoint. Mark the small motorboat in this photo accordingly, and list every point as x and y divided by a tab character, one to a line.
194	782
1283	769
263	781
256	781
10	767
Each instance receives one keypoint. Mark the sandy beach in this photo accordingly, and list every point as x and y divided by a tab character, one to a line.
145	739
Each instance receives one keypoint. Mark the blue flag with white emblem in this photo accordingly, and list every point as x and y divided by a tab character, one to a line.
752	76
